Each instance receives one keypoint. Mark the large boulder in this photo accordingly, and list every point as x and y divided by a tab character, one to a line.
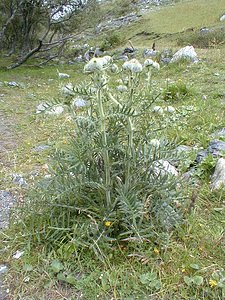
187	52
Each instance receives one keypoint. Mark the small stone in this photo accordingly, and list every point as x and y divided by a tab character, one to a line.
201	155
13	84
218	178
18	179
149	53
41	148
216	147
158	110
183	148
163	167
219	133
222	18
63	75
3	269
170	109
18	254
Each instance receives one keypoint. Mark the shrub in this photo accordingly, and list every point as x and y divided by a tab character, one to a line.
203	39
103	187
112	39
176	91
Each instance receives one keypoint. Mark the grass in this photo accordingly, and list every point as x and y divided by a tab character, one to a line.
164	24
194	249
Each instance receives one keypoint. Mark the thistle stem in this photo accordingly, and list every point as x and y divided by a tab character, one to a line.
105	150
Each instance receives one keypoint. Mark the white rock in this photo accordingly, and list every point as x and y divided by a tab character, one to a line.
187	52
222	18
158	110
63	75
18	254
163	167
43	108
170	109
218	178
3	269
55	111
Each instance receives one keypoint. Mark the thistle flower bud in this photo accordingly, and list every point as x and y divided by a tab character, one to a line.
151	63
133	65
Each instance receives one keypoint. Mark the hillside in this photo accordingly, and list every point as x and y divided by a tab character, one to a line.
112	180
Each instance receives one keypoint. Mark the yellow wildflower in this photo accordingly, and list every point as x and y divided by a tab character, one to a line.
156	251
213	283
183	270
108	223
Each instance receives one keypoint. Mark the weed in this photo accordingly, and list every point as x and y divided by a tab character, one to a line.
176	91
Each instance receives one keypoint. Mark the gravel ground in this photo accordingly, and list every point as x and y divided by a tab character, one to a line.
7	144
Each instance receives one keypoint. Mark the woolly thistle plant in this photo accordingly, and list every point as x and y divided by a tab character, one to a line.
104	186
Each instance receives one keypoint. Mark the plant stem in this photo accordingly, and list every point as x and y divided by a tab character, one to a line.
105	150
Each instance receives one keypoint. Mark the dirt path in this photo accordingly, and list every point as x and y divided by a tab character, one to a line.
7	144
7	141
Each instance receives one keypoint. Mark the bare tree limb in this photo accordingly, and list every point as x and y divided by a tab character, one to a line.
25	58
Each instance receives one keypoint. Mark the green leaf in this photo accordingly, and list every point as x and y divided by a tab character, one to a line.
27	268
56	266
195	266
221	285
187	280
71	279
61	277
198	280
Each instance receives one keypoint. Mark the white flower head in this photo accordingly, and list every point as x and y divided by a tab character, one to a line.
133	65
95	64
114	68
107	58
155	143
151	63
158	110
156	65
148	62
79	102
122	88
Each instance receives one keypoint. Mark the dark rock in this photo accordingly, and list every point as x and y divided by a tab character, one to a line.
216	148
205	30
166	56
150	53
218	134
201	155
19	180
123	57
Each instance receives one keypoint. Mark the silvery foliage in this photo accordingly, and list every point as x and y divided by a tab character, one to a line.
107	172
